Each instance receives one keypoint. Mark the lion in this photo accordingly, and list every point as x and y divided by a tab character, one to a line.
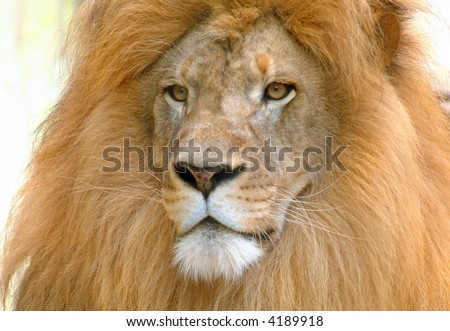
117	213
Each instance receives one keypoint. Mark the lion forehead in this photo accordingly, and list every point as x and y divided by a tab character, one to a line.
204	60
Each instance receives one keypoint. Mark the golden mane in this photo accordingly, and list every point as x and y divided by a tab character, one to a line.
82	239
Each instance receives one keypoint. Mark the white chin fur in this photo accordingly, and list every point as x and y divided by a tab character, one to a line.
205	254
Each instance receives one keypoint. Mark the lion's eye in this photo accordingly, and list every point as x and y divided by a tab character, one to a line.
278	91
178	93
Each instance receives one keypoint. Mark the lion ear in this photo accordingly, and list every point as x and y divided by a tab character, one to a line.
390	27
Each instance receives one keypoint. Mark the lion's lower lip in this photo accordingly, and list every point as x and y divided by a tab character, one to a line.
215	224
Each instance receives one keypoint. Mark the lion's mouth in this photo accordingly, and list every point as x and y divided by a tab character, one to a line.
214	226
211	250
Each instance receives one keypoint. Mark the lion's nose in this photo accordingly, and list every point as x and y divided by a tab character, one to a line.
207	178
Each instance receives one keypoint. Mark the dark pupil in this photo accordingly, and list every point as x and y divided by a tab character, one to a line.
177	92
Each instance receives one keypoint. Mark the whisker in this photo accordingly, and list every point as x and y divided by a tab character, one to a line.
110	190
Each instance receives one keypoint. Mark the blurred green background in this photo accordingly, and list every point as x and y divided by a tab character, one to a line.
32	74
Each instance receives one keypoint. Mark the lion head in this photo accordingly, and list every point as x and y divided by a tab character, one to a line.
238	155
229	99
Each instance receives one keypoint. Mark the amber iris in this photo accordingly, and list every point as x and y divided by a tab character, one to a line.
178	93
277	90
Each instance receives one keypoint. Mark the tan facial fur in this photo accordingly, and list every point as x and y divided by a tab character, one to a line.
227	108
